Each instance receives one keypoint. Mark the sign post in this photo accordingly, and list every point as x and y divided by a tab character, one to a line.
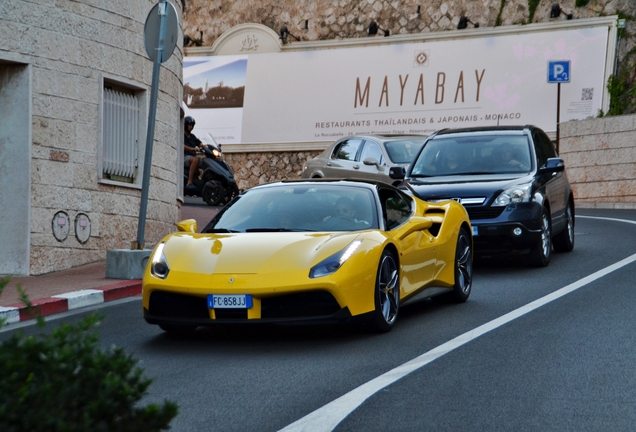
558	72
160	38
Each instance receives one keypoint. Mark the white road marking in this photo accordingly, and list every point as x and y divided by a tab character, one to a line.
329	416
606	218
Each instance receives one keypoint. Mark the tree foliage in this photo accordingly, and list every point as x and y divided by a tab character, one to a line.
63	381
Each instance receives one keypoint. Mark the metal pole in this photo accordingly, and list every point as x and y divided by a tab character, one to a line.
150	134
558	115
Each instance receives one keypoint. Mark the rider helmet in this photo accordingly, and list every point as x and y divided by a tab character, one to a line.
189	120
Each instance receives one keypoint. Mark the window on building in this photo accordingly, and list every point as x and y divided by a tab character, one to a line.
123	132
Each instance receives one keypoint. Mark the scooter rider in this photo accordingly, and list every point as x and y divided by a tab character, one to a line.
191	145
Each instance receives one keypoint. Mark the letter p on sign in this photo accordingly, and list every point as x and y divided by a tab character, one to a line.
559	71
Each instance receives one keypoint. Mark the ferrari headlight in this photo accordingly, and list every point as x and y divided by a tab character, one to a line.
159	266
517	194
334	262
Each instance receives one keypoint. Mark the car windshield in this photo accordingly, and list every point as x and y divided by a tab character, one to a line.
298	207
473	155
403	151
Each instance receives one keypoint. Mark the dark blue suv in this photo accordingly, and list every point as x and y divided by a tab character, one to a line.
511	182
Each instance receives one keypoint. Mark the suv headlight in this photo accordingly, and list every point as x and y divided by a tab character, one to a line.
159	266
334	262
513	195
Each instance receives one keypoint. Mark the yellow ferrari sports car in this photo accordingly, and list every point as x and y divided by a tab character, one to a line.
310	251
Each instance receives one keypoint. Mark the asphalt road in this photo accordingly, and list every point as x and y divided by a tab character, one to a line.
496	362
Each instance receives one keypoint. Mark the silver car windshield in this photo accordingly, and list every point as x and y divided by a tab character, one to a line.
296	207
474	155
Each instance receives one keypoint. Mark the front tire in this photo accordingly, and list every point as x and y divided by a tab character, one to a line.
387	293
542	252
564	241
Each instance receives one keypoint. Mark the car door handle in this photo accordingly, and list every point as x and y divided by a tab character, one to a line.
329	164
356	167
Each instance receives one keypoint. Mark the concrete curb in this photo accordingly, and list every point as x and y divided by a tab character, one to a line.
73	300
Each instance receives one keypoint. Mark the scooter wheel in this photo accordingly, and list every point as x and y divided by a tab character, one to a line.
213	192
230	194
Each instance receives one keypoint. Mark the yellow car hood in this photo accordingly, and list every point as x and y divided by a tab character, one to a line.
251	252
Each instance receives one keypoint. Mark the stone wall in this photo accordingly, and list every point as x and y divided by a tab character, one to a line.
312	20
600	157
253	169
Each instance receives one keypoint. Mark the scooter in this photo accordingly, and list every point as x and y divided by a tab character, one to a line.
215	182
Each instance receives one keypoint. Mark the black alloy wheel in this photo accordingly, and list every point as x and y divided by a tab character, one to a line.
230	193
564	241
387	293
213	192
542	252
463	267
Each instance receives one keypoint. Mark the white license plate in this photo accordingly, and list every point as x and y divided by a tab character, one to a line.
230	301
475	230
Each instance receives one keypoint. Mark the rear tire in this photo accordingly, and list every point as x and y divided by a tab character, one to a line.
386	293
542	252
564	241
463	271
463	268
230	193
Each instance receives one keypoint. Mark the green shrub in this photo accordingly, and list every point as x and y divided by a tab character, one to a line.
63	381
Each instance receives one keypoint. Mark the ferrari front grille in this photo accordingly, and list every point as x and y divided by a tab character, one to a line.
300	305
173	305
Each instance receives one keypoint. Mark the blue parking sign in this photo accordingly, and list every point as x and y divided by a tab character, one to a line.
559	71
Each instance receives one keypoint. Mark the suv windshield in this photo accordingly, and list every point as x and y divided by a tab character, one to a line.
474	154
403	151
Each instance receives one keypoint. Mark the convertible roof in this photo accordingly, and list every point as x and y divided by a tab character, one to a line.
348	182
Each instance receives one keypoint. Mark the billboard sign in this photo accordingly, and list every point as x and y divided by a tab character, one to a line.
412	87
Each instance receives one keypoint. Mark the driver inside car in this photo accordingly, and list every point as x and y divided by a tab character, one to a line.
345	211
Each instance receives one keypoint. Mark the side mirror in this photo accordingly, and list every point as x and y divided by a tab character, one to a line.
397	172
371	161
553	165
188	225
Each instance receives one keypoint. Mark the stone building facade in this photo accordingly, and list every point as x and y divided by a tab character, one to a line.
59	204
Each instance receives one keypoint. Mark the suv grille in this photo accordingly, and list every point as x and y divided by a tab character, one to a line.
476	213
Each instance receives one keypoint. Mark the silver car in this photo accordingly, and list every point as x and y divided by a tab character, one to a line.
364	157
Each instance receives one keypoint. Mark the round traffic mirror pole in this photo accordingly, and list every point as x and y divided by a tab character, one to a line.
150	135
